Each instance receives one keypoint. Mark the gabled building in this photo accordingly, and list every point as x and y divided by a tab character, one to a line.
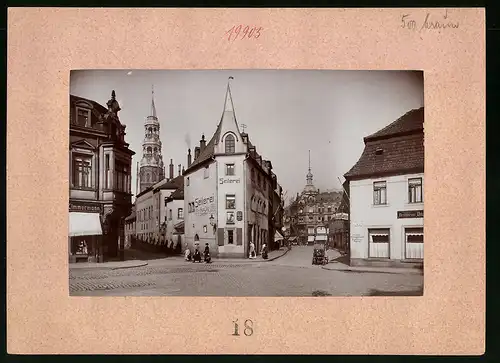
227	191
100	195
386	195
151	209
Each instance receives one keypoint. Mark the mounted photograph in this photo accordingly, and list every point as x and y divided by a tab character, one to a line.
290	183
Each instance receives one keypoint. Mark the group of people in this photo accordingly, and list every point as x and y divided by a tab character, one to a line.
196	256
252	253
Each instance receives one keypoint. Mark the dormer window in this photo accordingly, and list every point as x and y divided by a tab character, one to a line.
230	144
83	117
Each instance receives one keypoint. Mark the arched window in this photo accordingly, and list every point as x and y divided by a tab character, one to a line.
230	144
148	177
196	238
150	130
156	150
150	150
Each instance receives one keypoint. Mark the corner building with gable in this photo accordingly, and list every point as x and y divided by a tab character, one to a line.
231	195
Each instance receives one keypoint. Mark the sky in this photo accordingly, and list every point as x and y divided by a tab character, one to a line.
286	113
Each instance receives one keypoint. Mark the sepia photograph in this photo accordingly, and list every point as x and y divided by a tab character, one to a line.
270	183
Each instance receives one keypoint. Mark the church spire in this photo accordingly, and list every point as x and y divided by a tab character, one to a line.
228	103
153	108
309	176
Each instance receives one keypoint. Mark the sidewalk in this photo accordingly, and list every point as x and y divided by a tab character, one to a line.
338	263
108	265
114	265
272	255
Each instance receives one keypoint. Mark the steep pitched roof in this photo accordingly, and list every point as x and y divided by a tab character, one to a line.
408	123
396	149
208	152
178	194
172	183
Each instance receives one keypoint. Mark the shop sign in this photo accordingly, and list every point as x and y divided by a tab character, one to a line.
411	214
84	207
204	205
239	215
229	180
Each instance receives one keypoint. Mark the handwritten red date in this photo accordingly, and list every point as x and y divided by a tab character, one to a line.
243	32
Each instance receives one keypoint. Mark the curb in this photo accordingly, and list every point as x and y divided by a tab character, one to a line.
125	267
275	258
373	271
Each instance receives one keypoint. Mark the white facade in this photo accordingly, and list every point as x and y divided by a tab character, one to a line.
174	214
387	222
200	203
144	205
227	191
238	207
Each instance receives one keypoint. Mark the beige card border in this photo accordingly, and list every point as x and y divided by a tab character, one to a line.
44	44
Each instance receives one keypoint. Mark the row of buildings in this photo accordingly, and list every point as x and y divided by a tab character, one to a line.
378	219
226	194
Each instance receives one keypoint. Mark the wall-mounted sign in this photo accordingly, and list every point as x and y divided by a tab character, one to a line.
230	218
204	205
239	215
411	214
84	207
229	180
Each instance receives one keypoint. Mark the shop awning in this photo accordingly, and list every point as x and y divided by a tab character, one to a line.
310	238
321	238
84	224
277	236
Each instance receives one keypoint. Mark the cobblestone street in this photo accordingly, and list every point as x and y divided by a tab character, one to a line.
290	275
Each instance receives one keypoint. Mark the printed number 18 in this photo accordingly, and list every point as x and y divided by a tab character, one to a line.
248	328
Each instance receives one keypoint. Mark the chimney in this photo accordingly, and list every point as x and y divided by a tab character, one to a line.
171	169
203	143
179	169
196	152
189	158
183	170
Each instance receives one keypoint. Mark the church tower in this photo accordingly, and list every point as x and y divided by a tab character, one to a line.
309	188
151	167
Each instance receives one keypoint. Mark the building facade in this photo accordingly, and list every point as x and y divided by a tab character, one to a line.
151	169
151	210
228	198
386	195
174	218
130	228
310	209
100	195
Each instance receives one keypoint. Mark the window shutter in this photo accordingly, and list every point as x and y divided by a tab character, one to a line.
239	237
220	237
